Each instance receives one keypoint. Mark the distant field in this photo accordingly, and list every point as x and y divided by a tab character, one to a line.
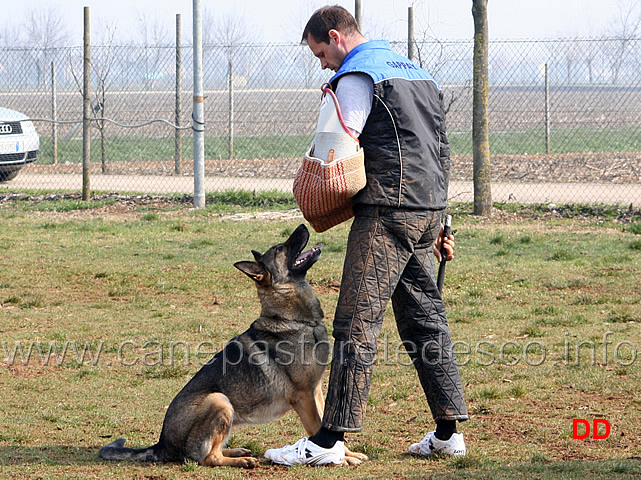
121	148
289	109
595	137
286	112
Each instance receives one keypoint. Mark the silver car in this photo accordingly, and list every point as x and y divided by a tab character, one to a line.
19	143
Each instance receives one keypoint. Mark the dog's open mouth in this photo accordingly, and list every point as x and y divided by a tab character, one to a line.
306	259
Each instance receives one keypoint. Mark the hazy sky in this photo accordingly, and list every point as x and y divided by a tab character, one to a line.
282	21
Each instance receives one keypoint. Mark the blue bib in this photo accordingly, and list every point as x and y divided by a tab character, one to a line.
376	59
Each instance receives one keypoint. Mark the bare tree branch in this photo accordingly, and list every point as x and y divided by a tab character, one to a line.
228	29
46	28
154	34
626	26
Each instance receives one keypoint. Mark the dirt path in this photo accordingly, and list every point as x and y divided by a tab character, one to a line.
607	193
610	178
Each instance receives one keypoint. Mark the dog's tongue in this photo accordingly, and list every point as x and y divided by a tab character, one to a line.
305	255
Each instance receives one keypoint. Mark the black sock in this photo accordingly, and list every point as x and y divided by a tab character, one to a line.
445	429
327	438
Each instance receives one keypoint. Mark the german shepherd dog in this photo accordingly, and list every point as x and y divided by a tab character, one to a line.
274	366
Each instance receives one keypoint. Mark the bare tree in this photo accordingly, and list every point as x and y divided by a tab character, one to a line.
45	30
373	28
102	66
626	27
296	21
480	120
154	34
433	55
229	32
573	55
10	35
590	55
229	28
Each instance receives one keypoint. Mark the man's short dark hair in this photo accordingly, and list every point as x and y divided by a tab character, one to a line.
332	17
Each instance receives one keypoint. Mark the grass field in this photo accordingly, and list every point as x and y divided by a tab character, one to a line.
106	312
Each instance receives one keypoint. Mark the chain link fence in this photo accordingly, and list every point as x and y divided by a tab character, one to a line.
565	116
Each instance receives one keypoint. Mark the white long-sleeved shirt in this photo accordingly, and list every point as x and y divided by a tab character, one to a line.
355	93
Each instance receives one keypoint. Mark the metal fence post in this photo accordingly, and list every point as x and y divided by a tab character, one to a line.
357	14
86	109
410	33
198	109
178	133
231	109
547	108
54	115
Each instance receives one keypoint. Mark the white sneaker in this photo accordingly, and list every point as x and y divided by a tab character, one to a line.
306	452
431	445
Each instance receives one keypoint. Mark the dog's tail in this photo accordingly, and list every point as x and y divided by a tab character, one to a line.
117	451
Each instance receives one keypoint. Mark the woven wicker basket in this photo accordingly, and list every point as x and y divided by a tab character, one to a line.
332	172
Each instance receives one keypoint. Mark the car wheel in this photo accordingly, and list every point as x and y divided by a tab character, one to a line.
6	176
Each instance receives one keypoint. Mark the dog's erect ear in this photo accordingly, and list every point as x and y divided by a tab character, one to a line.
253	270
257	255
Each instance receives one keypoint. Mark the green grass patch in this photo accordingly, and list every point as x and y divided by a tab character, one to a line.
103	320
243	198
562	140
146	149
51	203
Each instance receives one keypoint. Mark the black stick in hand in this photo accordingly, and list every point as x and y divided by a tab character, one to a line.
441	269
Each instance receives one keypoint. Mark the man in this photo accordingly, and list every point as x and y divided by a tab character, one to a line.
396	109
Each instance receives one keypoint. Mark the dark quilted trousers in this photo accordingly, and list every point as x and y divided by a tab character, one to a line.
389	256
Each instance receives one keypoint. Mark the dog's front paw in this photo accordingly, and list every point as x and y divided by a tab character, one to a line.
355	458
237	452
247	462
351	462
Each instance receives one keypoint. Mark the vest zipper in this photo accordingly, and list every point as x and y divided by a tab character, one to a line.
400	154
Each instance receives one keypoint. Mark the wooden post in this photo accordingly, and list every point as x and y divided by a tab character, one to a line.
86	109
480	113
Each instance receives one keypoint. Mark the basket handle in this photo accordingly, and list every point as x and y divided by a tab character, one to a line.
327	90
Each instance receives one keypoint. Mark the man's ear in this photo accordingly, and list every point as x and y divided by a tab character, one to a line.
335	35
253	270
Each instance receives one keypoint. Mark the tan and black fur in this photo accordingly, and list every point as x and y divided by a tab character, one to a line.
274	366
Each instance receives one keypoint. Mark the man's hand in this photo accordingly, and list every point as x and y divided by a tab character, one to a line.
448	244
